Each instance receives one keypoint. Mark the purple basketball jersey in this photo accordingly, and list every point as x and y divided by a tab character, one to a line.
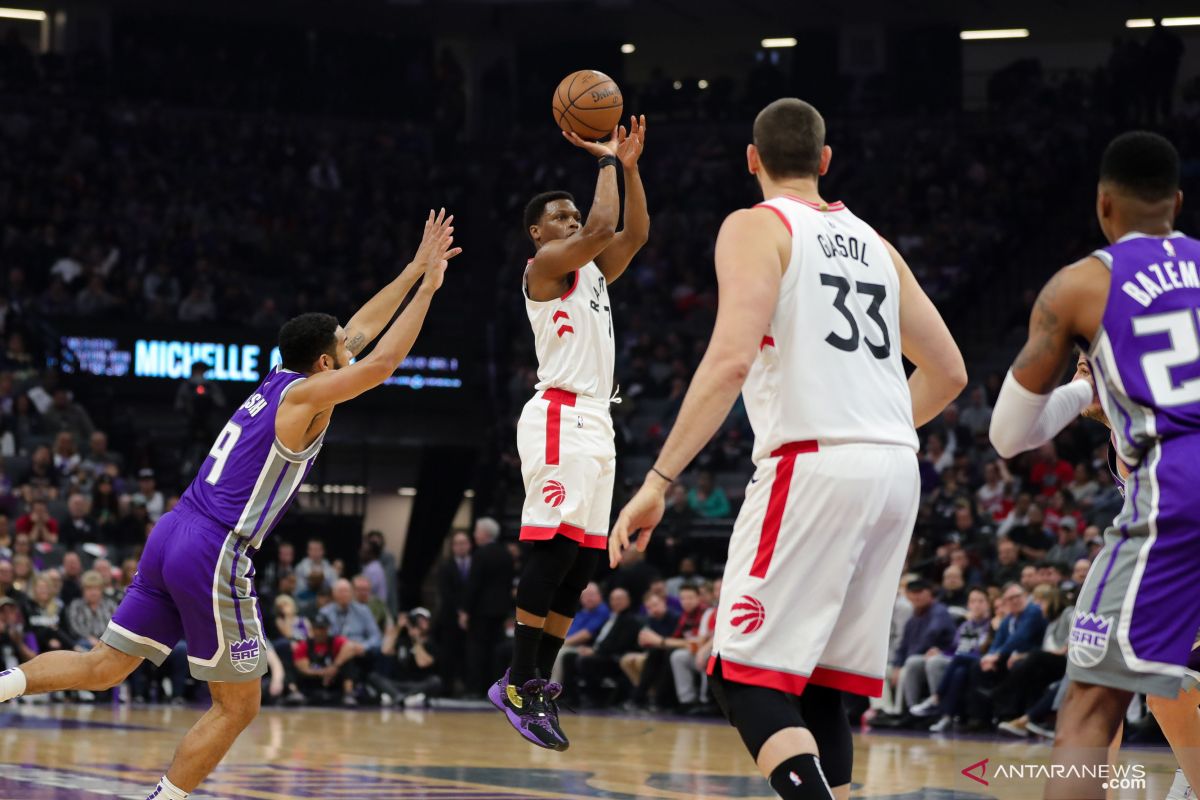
1146	360
249	478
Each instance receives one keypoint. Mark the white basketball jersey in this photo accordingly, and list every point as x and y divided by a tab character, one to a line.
573	335
829	368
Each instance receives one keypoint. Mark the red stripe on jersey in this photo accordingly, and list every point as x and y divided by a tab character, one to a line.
539	533
777	504
560	314
781	215
563	330
759	676
847	682
556	398
768	341
574	285
595	541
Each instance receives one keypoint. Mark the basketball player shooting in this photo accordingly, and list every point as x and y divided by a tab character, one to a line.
195	577
815	309
565	436
1133	306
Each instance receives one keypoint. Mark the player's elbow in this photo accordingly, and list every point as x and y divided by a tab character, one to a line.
599	230
1004	439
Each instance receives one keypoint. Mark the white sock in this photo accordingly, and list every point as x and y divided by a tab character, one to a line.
167	791
12	684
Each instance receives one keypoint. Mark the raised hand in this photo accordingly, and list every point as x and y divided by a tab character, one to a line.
629	147
435	251
597	149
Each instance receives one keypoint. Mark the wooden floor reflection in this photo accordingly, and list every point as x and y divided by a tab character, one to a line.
95	752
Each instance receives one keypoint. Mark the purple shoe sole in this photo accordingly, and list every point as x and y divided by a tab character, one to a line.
496	695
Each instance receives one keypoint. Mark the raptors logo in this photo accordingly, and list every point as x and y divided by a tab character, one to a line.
748	612
554	493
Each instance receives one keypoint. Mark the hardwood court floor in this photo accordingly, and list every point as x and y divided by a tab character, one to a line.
96	752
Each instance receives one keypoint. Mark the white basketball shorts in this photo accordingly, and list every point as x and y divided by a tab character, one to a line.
568	463
814	566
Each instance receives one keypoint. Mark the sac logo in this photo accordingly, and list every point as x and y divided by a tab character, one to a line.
553	493
748	614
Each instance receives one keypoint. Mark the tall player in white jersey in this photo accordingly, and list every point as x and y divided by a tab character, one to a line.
565	434
815	311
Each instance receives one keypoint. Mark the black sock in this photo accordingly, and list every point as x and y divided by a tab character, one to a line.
800	778
525	654
548	648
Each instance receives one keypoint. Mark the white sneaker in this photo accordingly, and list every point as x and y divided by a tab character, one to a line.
1045	733
926	708
942	725
1014	729
415	700
1180	790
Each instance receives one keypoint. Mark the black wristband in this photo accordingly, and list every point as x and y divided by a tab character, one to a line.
608	161
659	473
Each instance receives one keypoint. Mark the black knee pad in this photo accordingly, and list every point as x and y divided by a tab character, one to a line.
547	565
825	717
566	598
757	713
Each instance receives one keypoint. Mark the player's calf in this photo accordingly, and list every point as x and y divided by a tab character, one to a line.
97	670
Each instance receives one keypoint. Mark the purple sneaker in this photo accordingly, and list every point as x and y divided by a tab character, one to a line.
552	693
526	710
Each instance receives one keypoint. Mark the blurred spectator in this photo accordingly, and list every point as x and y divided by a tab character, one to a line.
374	604
948	671
1008	566
72	576
315	557
594	669
1070	548
372	567
408	671
486	604
585	627
688	574
88	616
46	617
148	494
930	629
352	620
708	499
634	574
1031	673
67	415
1020	631
953	591
977	416
323	661
100	459
284	563
17	645
452	575
78	527
1049	473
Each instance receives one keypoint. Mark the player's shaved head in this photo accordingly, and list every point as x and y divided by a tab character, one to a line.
1142	164
536	208
790	135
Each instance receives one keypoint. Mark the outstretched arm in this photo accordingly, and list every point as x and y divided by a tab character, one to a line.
372	318
625	245
1027	413
940	373
558	259
751	249
326	389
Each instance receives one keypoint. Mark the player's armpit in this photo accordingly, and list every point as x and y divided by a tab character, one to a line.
925	340
326	389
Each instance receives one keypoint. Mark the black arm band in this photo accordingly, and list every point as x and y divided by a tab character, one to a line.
659	473
608	161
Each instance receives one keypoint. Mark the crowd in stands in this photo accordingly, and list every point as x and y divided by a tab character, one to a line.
117	208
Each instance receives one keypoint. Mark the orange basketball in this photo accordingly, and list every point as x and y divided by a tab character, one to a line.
589	103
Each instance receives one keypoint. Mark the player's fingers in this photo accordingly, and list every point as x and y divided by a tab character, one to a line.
453	252
643	539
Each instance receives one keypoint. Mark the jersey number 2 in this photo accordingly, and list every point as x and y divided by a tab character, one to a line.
878	293
1184	350
221	449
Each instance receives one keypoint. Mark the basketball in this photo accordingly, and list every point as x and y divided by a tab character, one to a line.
589	103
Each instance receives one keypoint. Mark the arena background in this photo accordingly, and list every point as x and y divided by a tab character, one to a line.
177	179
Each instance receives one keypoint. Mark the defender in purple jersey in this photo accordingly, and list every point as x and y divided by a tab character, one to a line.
195	579
1135	308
